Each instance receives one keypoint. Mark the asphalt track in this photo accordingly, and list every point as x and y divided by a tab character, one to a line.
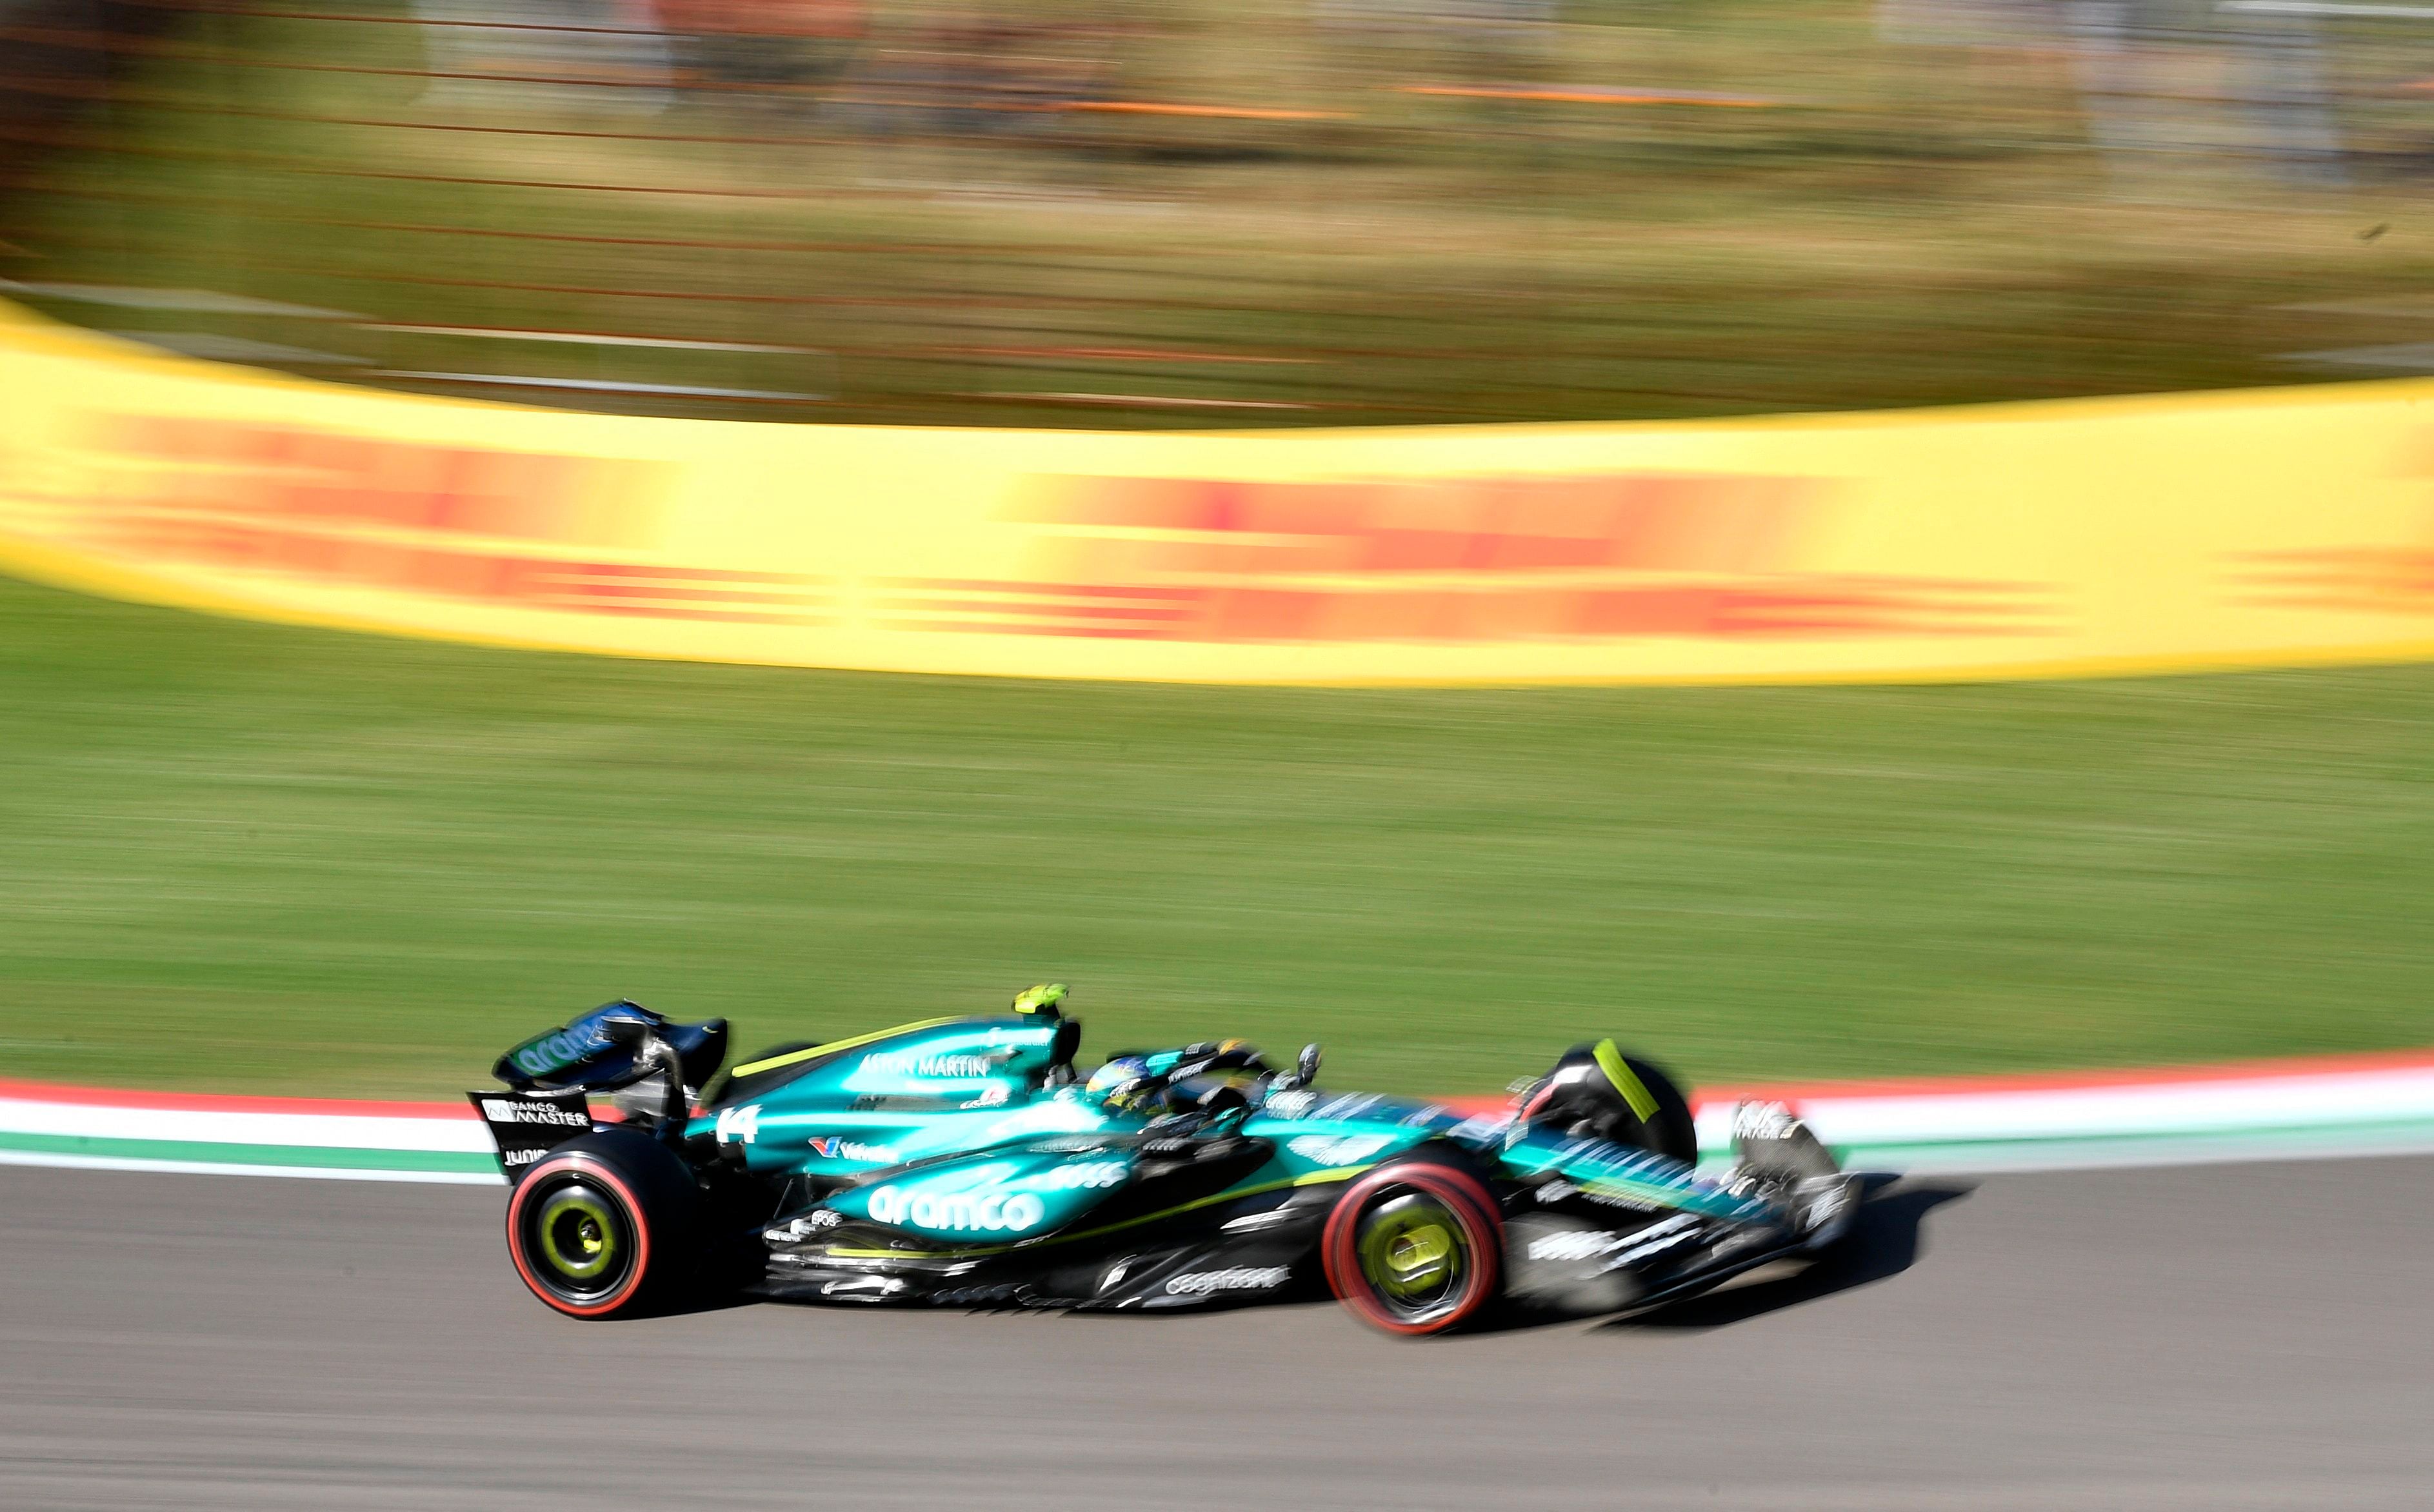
2241	1336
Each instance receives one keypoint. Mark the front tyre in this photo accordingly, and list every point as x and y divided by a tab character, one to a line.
1598	1091
1414	1248
605	1225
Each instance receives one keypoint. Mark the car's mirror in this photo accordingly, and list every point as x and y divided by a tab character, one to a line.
1305	1070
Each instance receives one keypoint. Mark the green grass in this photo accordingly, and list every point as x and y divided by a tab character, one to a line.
247	857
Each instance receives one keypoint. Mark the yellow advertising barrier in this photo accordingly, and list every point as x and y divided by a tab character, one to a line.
2262	528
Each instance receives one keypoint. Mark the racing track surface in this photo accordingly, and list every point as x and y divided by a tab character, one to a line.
2223	1337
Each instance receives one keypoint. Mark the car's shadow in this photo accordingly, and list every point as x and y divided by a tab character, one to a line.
1884	1241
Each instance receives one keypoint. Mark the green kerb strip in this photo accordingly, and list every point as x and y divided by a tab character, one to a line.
319	1156
1625	1081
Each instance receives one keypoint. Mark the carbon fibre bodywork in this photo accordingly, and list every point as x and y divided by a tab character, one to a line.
962	1161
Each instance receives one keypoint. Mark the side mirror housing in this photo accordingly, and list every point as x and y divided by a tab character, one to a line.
1305	1070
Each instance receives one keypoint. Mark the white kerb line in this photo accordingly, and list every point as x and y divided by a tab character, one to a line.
2326	7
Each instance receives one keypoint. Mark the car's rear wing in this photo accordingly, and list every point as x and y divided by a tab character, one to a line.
528	1124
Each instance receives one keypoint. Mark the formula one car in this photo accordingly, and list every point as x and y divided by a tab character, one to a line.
965	1161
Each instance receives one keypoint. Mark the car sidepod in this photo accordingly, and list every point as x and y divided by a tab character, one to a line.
1117	1220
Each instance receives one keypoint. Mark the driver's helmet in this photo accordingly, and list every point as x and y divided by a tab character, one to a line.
1116	1085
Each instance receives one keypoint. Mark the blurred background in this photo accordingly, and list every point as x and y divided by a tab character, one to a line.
258	857
1196	213
242	855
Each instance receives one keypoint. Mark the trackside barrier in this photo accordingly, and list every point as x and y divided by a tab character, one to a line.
2322	1107
2277	528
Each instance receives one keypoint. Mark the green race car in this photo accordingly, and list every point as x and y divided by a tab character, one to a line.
966	1161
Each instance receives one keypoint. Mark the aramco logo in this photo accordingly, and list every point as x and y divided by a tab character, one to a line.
986	1211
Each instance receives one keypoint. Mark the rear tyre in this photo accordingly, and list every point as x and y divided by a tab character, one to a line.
1414	1248
606	1226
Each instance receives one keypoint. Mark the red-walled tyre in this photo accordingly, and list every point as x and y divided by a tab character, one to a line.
606	1226
1414	1248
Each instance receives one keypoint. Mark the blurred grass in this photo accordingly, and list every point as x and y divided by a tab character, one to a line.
1904	225
256	858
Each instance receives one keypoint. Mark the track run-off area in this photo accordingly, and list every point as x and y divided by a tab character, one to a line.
2202	1337
2097	1290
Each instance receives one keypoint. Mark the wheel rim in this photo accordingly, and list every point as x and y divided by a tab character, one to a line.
1414	1253
580	1238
